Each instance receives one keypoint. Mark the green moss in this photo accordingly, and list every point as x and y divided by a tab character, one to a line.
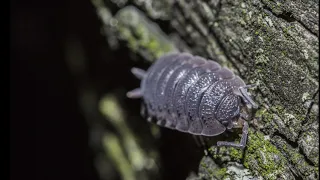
283	113
208	169
262	60
246	164
295	157
236	154
204	165
139	31
287	30
142	36
221	172
210	172
284	53
262	157
268	116
264	115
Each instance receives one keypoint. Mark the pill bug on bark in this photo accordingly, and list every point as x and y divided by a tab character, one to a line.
190	94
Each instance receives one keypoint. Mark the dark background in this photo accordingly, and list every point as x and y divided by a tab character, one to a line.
48	130
49	135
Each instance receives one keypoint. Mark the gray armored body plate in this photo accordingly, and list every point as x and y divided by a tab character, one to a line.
193	95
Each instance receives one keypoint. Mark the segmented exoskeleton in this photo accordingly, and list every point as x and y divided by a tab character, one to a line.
194	95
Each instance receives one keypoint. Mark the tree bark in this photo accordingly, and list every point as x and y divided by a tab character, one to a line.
271	43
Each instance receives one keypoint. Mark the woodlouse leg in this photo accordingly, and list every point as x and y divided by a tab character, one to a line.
149	119
139	73
143	110
161	122
204	145
230	125
136	93
196	140
201	143
243	140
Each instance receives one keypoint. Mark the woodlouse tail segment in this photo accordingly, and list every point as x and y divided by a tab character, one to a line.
243	140
246	95
134	94
139	73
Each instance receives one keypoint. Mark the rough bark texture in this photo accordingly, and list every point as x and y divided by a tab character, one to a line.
271	43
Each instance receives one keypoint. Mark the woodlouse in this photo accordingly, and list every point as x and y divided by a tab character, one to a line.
194	95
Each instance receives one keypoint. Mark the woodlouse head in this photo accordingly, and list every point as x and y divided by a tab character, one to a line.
246	96
247	103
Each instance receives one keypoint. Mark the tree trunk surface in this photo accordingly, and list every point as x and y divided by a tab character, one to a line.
271	43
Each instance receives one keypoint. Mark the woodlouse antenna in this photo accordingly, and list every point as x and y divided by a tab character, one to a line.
134	94
137	93
139	73
246	95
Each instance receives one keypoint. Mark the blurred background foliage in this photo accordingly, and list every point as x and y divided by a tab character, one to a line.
69	114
